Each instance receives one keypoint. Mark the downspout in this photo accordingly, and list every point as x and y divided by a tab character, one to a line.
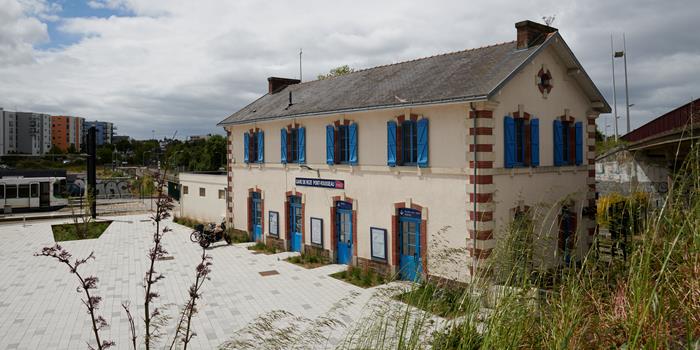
474	201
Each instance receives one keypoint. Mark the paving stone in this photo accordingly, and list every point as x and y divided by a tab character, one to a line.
41	308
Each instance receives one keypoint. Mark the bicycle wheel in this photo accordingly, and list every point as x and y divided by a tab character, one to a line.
195	236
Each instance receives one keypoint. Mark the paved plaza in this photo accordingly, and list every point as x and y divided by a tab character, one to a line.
40	308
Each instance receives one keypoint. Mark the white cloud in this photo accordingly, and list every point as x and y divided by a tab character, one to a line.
187	65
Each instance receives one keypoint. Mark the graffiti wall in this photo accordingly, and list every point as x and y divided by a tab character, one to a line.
117	187
625	173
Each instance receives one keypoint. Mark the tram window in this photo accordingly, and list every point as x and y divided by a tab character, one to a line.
58	187
34	189
11	191
2	191
23	191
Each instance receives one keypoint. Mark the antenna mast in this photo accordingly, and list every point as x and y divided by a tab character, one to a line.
300	52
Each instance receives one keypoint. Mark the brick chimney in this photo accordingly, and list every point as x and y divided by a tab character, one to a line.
275	84
532	33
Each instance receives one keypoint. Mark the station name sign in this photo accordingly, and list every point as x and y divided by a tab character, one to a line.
323	183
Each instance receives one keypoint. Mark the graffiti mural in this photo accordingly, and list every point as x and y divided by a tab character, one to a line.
106	188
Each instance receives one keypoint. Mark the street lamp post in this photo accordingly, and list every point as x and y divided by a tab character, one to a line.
627	95
623	54
612	60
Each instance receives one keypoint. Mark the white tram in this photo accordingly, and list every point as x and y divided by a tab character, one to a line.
19	193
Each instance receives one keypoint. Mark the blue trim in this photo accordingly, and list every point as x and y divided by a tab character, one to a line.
391	143
579	142
283	146
352	139
558	143
535	142
260	136
509	141
423	150
246	147
330	145
302	145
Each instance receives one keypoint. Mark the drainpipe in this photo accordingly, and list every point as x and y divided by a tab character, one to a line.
473	109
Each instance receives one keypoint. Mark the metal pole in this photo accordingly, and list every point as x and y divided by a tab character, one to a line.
627	96
612	59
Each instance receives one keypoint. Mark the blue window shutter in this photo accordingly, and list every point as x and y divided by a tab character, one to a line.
579	143
422	143
352	136
391	143
535	142
558	143
302	145
261	146
330	145
509	142
283	146
246	144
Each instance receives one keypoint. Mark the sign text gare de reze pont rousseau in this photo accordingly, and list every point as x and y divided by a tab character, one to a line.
325	183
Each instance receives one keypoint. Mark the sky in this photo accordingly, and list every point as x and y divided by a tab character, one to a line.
161	66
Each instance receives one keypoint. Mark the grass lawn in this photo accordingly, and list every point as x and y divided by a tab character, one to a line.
441	301
309	261
67	232
360	277
263	248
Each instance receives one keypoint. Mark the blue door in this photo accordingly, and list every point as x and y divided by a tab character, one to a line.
257	216
295	221
343	229
409	244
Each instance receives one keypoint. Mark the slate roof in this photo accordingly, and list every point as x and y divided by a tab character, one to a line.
458	76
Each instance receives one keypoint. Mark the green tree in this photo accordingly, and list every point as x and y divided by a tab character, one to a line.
336	72
55	150
104	154
123	146
72	149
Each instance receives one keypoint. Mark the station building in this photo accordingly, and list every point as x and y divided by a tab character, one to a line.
390	167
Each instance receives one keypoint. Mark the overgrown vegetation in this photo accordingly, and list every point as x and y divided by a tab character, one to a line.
605	145
361	277
185	221
439	299
309	260
648	300
264	248
71	232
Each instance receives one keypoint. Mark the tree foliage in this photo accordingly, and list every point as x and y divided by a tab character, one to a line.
336	72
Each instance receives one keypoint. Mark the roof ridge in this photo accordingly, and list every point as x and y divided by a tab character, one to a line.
412	60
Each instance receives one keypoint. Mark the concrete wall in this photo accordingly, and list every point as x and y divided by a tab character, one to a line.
624	172
207	208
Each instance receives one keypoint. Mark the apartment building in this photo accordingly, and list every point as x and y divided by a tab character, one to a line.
33	133
67	131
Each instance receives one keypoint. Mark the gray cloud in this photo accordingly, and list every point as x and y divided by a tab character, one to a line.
186	65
